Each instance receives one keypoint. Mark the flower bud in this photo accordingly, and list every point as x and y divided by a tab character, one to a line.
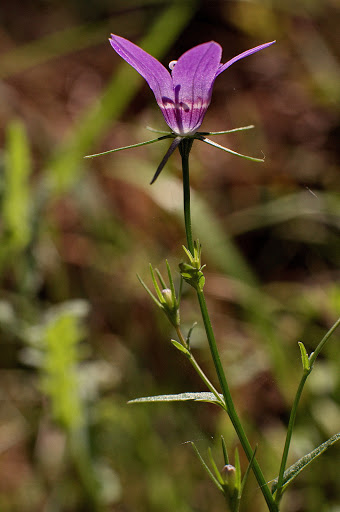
170	306
168	298
229	475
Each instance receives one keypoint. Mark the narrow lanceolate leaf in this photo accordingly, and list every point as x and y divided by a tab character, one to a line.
291	473
181	397
180	347
304	357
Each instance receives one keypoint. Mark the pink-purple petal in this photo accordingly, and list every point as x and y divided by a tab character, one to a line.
193	77
156	75
242	55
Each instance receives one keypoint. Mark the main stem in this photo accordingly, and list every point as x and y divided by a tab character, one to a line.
184	147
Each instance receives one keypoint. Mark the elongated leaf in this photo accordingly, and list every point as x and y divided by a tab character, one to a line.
200	396
292	472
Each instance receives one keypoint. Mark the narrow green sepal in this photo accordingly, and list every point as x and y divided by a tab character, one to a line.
304	357
225	451
205	466
156	286
130	146
147	289
214	466
180	347
242	128
212	143
246	474
238	478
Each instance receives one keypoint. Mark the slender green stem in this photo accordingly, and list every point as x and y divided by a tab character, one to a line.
306	373
230	405
318	349
199	370
185	147
289	437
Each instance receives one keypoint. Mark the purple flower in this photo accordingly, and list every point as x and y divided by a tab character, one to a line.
184	94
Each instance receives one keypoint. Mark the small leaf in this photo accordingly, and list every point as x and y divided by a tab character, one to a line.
292	472
200	396
304	357
180	347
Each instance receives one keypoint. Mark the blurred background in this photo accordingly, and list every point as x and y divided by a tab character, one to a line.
79	335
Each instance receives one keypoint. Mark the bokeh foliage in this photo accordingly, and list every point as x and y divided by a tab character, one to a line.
79	335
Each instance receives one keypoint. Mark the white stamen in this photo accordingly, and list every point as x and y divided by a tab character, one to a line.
172	64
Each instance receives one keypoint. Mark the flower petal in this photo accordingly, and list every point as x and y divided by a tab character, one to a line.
193	77
156	75
242	55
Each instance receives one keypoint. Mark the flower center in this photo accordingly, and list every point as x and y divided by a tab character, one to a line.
172	64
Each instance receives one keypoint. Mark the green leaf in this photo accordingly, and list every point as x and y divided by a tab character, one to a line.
200	396
304	357
293	471
180	347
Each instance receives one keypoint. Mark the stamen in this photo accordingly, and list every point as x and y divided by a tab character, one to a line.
172	64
